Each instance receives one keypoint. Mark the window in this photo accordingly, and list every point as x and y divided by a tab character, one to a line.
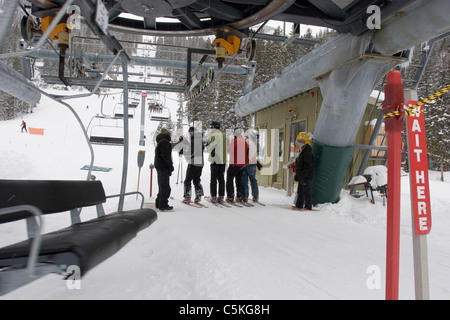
296	128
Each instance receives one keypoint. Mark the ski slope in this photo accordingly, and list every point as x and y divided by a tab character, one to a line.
262	252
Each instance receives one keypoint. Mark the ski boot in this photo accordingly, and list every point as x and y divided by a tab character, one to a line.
186	199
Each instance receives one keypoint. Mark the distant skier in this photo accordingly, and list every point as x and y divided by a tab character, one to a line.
24	126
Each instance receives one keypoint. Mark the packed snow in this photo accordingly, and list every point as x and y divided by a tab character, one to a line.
337	251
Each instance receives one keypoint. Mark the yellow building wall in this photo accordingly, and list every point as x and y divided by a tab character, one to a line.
302	107
306	107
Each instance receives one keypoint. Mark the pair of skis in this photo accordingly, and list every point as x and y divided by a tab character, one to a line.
239	204
228	204
217	204
192	203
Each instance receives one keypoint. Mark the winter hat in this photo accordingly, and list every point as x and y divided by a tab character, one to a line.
191	129
215	124
238	131
165	131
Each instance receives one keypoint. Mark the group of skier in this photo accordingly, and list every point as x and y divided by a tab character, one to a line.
155	107
241	164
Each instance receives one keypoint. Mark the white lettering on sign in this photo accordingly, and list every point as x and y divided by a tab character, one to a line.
420	192
423	224
422	207
416	126
418	152
420	176
418	172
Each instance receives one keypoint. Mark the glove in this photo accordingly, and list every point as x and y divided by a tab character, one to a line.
180	139
258	165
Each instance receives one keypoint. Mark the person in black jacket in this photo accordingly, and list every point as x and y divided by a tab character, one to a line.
304	173
193	152
164	169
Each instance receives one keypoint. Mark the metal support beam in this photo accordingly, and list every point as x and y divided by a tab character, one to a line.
124	59
346	91
135	60
115	84
421	21
301	75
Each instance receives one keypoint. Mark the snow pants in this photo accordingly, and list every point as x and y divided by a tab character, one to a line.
249	173
193	174
304	199
217	175
234	174
162	199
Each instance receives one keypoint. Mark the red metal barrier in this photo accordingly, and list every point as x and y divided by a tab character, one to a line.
394	113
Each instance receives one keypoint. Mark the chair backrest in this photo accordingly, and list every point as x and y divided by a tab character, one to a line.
50	196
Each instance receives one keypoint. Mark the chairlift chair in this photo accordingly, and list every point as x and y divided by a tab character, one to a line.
118	111
164	115
134	101
104	133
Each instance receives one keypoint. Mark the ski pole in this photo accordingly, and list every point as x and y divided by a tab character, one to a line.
140	162
178	173
151	178
181	170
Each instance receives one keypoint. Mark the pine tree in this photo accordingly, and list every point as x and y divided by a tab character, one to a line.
11	107
437	113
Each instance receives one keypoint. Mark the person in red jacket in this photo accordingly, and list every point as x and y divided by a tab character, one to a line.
24	126
238	152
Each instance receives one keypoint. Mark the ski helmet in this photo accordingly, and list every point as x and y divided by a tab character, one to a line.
305	136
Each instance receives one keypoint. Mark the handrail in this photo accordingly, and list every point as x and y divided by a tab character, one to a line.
127	194
36	242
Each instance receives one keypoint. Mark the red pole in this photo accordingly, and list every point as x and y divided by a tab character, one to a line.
393	109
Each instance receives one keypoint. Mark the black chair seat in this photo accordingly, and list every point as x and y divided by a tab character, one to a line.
84	244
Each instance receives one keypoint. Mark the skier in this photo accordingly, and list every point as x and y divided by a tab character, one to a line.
250	169
164	168
217	159
238	151
193	152
304	172
24	126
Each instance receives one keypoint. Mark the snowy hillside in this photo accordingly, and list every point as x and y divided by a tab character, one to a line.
263	252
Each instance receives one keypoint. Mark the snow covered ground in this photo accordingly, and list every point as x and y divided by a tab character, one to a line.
264	252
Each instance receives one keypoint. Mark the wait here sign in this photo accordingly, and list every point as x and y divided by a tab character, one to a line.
418	171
